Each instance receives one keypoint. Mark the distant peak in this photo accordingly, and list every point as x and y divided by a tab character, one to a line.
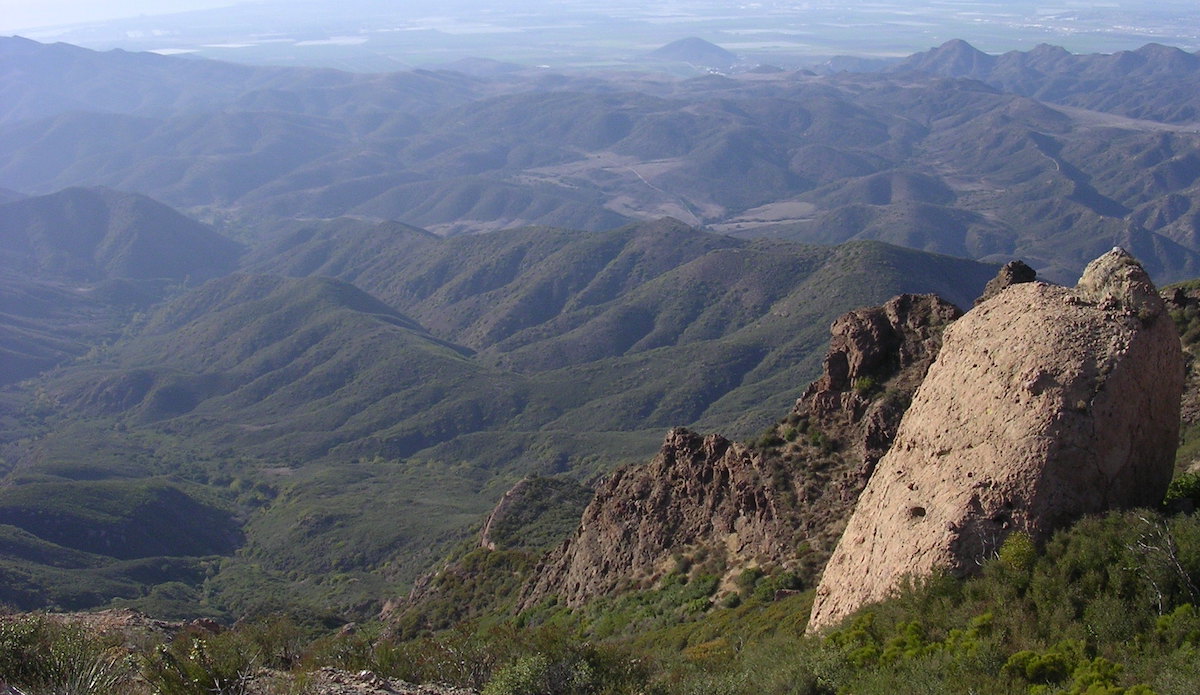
955	58
1048	49
1158	49
691	42
697	51
957	45
1170	54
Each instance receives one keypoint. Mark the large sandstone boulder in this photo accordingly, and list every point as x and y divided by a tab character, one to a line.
1045	403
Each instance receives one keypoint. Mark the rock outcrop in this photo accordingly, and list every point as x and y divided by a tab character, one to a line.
697	489
1013	273
890	345
756	505
1046	403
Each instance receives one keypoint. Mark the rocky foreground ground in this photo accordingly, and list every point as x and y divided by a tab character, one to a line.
331	681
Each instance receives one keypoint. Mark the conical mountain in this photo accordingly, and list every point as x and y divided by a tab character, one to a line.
93	234
955	58
696	51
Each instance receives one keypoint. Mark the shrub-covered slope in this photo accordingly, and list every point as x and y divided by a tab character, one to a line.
355	431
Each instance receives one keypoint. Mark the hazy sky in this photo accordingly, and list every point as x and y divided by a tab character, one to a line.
16	15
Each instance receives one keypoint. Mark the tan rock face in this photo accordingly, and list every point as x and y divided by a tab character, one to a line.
696	489
1045	403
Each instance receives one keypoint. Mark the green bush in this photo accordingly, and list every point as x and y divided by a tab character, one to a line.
559	666
1052	666
1018	553
766	589
44	656
748	579
1179	628
770	440
1015	560
865	385
199	663
360	649
822	441
528	675
464	656
1185	487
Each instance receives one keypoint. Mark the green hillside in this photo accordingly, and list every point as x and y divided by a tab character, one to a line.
87	235
76	265
355	431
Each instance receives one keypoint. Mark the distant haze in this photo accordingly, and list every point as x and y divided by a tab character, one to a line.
20	15
389	35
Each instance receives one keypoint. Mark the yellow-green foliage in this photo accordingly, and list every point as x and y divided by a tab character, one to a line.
1066	668
1184	487
1180	627
1018	553
1107	607
863	644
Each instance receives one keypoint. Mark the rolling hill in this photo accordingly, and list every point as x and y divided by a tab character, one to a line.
350	431
1043	154
88	235
75	265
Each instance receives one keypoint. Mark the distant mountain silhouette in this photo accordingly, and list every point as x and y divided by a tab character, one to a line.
955	58
957	152
696	51
44	80
92	234
1154	82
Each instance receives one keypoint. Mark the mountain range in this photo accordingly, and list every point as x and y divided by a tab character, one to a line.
953	151
1154	82
319	381
312	372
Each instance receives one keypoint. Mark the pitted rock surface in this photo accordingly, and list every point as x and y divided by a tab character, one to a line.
1045	404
